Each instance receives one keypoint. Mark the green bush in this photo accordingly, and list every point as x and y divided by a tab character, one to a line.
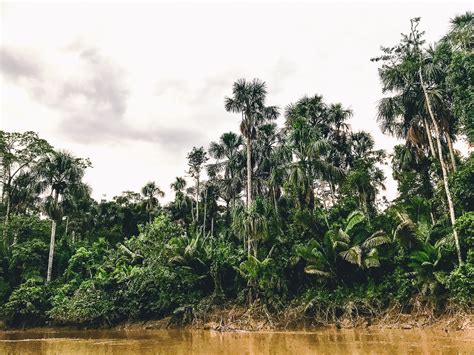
4	290
156	291
27	304
22	228
29	260
463	185
465	228
460	283
88	304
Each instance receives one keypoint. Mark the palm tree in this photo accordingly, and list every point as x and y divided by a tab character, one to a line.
178	187
354	246
249	100
310	159
226	154
319	257
61	173
196	159
425	264
267	139
312	109
254	271
151	192
337	117
409	73
415	36
24	197
410	234
462	31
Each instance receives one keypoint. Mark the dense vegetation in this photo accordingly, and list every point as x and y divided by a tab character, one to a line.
280	217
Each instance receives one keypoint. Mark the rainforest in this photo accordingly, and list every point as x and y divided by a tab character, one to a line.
274	226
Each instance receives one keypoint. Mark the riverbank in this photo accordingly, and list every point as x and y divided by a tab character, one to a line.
237	318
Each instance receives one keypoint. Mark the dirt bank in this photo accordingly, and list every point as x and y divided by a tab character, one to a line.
237	318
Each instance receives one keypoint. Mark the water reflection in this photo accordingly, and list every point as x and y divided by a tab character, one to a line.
209	342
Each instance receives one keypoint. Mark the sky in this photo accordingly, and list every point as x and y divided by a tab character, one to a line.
134	86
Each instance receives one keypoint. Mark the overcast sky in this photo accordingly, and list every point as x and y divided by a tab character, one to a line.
135	86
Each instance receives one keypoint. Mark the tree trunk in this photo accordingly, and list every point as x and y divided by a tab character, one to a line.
430	138
7	219
6	191
51	251
212	227
452	215
451	151
249	172
67	224
249	187
216	276
205	212
197	200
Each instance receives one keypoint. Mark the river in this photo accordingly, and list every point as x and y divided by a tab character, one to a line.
81	342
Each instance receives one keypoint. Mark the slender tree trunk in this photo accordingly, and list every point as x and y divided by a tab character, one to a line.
67	224
216	276
249	187
205	212
275	200
51	251
212	226
149	213
430	138
227	213
249	172
6	191
451	151
7	220
7	215
452	215
53	239
197	200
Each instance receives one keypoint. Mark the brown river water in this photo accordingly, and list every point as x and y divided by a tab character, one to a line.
49	341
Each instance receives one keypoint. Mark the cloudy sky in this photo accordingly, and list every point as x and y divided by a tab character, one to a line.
135	86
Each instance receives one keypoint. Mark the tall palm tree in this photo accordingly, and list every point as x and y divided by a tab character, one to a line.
337	117
409	74
312	109
178	187
415	37
226	153
310	158
462	31
248	99
196	159
61	173
24	196
151	192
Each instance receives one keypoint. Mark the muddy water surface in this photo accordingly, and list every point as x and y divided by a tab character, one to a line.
332	342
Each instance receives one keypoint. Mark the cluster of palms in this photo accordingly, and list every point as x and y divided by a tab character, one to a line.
50	183
421	107
304	164
308	190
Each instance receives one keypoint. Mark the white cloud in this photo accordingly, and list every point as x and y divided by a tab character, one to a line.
135	86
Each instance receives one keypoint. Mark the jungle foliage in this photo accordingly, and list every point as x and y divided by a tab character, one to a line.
290	215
